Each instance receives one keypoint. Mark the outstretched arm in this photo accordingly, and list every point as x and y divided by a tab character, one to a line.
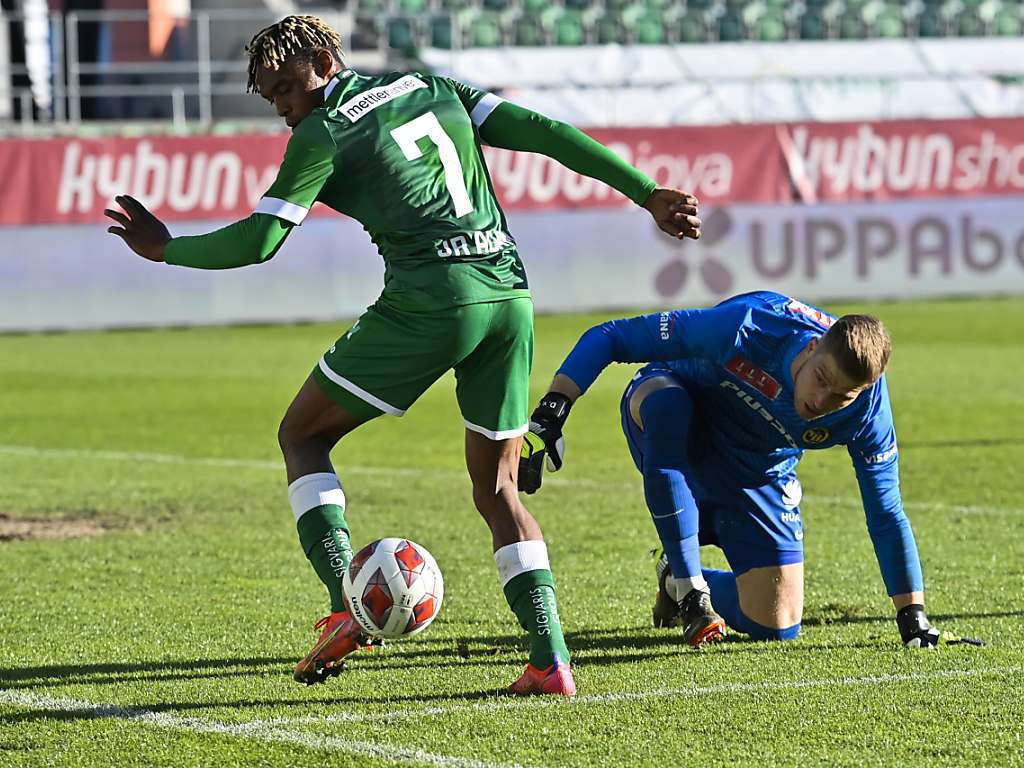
250	241
509	126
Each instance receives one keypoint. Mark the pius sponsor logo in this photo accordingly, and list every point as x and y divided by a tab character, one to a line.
755	406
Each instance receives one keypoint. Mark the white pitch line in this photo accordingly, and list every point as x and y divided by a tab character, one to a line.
259	730
515	703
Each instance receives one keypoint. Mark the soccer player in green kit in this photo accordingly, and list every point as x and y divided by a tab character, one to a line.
401	154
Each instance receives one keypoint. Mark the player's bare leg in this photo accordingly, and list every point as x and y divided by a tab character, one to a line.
773	596
312	426
522	559
765	603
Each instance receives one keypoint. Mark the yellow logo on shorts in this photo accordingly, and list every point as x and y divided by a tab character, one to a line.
816	435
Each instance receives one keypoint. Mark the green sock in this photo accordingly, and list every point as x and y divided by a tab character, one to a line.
531	596
324	536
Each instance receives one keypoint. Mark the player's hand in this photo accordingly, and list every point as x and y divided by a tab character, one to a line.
915	630
143	232
675	212
543	444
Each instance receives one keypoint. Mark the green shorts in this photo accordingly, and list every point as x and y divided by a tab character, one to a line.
390	357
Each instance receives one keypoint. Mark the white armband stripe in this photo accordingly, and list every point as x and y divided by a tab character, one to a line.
483	108
282	209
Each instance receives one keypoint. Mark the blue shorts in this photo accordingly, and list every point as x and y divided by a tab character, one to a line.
754	527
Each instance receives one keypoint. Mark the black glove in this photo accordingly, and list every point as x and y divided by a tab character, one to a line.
915	629
544	445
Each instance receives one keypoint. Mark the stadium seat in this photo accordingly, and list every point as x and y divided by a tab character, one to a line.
484	31
534	6
851	26
412	6
889	24
650	29
495	5
1007	21
691	28
730	27
527	30
771	27
610	29
812	25
441	32
568	29
372	5
400	33
577	5
930	23
969	24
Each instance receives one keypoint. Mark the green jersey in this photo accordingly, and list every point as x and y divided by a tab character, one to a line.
400	153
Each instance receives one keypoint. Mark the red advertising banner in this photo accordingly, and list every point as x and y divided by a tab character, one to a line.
904	159
52	181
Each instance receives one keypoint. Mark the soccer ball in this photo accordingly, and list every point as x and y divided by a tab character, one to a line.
393	588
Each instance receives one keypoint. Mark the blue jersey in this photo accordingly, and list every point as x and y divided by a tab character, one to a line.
736	360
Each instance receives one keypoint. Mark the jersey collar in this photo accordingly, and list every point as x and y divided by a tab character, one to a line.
343	75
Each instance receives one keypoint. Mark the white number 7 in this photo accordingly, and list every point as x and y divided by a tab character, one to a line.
426	126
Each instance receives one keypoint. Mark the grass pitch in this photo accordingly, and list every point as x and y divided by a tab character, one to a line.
159	623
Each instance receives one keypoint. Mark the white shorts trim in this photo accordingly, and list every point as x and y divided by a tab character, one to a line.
505	434
483	108
282	209
362	394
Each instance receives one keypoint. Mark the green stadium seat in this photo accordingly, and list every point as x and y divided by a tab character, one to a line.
969	24
485	31
441	32
412	6
568	29
495	5
372	5
534	6
577	5
812	25
657	5
610	29
852	26
771	27
455	5
730	27
527	30
930	23
400	33
692	28
1007	21
650	30
889	24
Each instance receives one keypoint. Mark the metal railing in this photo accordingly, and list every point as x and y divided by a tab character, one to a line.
208	69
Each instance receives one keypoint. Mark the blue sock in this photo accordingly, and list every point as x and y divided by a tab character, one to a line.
725	599
666	417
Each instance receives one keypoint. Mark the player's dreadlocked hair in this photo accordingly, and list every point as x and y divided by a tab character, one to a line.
294	37
860	345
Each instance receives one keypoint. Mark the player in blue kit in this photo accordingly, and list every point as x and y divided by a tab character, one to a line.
716	422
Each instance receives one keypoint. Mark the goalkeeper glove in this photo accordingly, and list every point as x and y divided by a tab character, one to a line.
915	629
543	444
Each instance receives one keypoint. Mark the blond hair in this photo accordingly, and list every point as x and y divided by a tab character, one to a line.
860	346
294	37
